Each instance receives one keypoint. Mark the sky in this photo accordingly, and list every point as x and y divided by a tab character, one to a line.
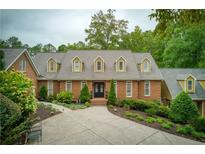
61	26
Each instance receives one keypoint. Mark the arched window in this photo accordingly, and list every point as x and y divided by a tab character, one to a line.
146	66
99	64
77	65
121	65
52	65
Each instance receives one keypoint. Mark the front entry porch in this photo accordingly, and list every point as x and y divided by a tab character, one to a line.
99	94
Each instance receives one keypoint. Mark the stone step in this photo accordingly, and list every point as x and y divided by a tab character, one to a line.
98	101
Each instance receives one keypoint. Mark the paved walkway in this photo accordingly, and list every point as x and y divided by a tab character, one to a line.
96	125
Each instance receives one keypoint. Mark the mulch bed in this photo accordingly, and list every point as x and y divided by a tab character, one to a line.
120	112
44	113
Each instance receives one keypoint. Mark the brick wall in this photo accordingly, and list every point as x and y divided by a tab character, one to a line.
155	91
30	73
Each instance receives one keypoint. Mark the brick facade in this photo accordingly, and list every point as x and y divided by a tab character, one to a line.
137	89
30	73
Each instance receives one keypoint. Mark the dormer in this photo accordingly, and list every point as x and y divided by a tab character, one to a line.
146	65
190	84
76	64
121	64
52	65
99	64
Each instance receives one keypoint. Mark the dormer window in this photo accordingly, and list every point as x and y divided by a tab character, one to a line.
121	65
190	84
77	65
146	65
99	64
52	65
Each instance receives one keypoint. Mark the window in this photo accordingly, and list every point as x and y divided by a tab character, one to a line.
190	84
50	88
115	84
147	88
98	64
52	65
129	89
121	65
22	66
146	67
69	86
77	65
83	83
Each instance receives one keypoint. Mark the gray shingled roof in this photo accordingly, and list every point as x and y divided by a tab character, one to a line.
171	76
87	57
10	55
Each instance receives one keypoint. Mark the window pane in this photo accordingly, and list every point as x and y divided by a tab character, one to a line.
128	89
69	86
190	85
147	88
99	66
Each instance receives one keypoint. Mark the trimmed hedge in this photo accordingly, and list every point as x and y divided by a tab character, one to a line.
64	97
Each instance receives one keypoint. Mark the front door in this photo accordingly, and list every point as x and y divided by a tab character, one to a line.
99	89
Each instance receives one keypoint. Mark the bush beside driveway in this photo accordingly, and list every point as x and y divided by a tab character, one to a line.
96	125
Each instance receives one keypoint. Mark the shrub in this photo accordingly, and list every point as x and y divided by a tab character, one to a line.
151	111
139	117
1	60
64	97
126	106
167	125
199	124
119	103
51	98
160	120
186	130
199	135
84	94
110	106
150	120
17	87
129	114
55	102
88	104
163	111
43	93
112	95
183	109
13	124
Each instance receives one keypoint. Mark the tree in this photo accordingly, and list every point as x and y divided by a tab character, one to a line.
43	93
49	48
17	87
183	109
62	48
13	42
112	95
35	49
84	94
1	60
2	44
105	31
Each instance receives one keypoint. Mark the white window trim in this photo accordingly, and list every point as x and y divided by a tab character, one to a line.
48	87
192	84
99	58
73	64
71	84
150	66
22	64
48	65
130	89
82	84
121	59
145	88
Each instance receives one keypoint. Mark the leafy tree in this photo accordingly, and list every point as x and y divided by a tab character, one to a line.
183	109
112	95
13	42
62	48
43	93
1	60
17	87
84	94
13	124
105	31
2	44
49	48
35	49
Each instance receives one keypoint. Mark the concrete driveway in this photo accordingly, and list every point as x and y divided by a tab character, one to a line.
96	125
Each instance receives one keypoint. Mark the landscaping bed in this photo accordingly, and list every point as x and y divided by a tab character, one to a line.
156	115
73	106
45	111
